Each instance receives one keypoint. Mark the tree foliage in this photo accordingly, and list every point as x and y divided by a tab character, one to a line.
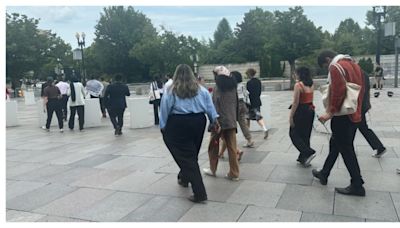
30	49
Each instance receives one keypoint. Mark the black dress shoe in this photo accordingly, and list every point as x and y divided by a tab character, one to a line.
183	184
196	199
350	190
322	179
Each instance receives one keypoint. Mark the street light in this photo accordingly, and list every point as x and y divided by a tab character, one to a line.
81	44
378	12
194	58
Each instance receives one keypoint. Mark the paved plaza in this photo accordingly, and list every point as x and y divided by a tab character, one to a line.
96	176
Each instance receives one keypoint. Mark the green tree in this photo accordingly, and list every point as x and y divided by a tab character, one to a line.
348	38
254	35
223	32
295	36
118	31
29	48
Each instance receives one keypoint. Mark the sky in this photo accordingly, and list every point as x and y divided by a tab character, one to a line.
197	21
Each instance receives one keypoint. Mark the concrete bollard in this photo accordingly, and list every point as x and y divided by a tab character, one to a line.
92	113
141	112
11	113
29	98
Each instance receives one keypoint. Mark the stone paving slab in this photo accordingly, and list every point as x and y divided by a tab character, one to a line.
42	174
39	197
22	216
264	194
160	209
317	217
83	198
306	199
22	187
51	218
94	160
264	214
377	205
114	207
100	179
213	211
136	182
71	175
291	175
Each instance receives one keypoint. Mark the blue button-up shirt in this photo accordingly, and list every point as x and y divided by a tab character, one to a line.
201	103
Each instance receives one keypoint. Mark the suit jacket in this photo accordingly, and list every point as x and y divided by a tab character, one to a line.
115	95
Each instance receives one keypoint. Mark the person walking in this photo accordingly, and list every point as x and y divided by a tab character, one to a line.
243	112
225	100
182	124
52	101
302	115
95	88
76	101
116	103
254	88
378	76
156	91
368	133
63	86
342	69
102	100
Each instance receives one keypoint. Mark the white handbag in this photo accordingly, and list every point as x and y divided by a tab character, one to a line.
350	102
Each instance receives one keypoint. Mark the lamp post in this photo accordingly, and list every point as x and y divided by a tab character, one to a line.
194	58
81	44
378	13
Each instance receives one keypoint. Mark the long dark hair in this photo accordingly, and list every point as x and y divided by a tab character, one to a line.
237	75
71	85
304	76
225	83
157	79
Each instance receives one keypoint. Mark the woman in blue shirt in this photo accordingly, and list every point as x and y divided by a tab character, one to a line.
182	123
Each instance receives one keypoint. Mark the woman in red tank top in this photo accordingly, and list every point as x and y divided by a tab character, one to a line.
302	116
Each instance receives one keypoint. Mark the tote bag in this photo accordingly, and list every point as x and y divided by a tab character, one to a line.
350	101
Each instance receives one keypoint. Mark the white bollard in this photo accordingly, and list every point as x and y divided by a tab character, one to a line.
92	113
29	98
265	110
11	114
141	112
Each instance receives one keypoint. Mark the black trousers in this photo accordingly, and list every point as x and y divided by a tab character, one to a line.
117	117
183	136
81	115
64	103
103	105
156	107
369	135
342	139
300	134
54	105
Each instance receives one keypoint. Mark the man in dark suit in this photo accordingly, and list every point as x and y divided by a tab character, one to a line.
116	103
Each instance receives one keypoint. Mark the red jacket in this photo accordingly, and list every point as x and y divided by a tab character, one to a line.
352	73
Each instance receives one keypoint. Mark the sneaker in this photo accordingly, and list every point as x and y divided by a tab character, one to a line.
208	172
266	134
379	153
309	159
231	178
249	145
61	130
44	128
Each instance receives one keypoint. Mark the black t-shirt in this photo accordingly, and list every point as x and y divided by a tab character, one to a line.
254	88
378	71
51	92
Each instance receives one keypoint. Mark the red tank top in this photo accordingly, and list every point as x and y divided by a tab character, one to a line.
305	98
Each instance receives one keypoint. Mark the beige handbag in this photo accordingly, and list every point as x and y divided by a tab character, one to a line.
350	101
